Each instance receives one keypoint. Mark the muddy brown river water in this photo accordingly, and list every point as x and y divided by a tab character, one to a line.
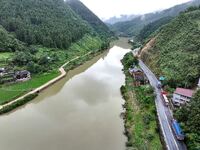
80	112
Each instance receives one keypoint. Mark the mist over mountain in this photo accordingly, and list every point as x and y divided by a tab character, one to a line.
121	18
133	27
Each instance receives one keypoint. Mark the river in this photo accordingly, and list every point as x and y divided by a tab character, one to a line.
80	112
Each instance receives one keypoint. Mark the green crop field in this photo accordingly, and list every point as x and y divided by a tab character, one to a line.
9	92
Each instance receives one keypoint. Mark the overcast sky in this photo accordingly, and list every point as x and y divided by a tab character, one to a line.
109	8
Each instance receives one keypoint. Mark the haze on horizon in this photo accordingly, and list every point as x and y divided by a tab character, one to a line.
106	9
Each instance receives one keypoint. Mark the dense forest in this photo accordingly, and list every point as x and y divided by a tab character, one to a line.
28	27
8	42
133	27
176	53
50	23
91	18
151	28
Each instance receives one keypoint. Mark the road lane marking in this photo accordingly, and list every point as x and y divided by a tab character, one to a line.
171	130
159	118
154	78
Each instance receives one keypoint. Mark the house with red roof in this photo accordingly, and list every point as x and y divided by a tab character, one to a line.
182	96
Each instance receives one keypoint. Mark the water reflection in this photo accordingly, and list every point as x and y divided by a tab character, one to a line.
81	112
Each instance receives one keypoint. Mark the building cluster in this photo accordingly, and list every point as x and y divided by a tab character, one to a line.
138	75
7	75
182	96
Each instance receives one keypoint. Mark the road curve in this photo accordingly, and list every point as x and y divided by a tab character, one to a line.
164	113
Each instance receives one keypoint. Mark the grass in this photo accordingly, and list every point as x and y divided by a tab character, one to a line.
16	104
4	56
12	91
140	116
80	48
83	46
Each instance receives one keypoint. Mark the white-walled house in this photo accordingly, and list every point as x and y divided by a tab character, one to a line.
182	96
2	71
199	84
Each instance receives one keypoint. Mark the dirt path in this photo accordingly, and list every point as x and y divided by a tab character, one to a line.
49	83
147	47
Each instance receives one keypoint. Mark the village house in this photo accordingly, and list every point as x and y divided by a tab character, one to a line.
2	70
138	75
22	75
182	96
198	84
7	77
11	76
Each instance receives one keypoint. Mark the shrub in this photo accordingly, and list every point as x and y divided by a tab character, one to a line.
16	104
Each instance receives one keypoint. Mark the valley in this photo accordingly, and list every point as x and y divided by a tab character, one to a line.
70	81
81	111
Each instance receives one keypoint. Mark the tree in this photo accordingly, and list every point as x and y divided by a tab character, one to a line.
189	116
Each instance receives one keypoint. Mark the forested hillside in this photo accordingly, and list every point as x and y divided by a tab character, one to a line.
151	28
28	27
8	42
50	23
91	18
176	53
133	27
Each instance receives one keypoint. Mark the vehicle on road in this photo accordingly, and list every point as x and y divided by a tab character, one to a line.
165	99
159	85
177	130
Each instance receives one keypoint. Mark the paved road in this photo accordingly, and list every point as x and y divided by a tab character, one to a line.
164	113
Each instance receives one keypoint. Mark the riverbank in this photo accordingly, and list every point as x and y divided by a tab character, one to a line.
72	112
140	116
49	69
73	63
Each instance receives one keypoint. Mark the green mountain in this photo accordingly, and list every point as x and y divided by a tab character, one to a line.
176	52
50	23
8	42
151	28
133	27
43	34
98	26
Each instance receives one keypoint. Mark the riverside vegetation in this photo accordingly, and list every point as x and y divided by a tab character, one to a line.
140	116
11	91
16	104
176	55
44	36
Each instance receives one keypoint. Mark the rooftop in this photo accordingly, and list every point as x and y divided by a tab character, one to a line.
23	72
136	69
184	92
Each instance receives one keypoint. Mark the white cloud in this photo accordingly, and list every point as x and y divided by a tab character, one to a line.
109	8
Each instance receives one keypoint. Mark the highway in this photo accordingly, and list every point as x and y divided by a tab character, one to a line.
164	113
